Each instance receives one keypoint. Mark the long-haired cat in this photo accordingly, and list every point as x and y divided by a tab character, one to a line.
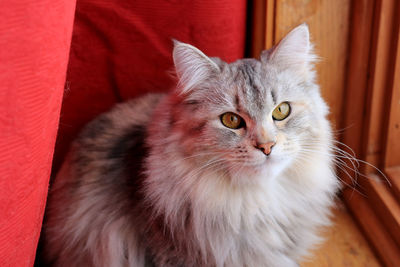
232	168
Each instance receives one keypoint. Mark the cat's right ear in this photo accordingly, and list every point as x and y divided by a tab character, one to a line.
192	66
294	51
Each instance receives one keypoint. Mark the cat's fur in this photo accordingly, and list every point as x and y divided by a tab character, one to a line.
160	181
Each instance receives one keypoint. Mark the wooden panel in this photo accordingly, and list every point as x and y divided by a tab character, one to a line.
357	73
329	23
270	28
393	174
385	205
360	80
392	157
344	244
258	25
382	77
263	26
357	77
375	232
368	91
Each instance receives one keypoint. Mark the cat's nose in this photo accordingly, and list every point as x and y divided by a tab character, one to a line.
266	147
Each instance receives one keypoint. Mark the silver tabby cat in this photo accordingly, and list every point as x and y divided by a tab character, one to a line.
231	168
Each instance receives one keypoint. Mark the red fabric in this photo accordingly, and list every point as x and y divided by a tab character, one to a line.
122	49
34	38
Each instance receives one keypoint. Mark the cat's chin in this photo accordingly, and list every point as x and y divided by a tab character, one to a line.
268	168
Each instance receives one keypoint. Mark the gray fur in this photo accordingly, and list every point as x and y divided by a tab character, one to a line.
159	181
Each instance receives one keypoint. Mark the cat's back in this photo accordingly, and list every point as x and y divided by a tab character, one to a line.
93	189
109	139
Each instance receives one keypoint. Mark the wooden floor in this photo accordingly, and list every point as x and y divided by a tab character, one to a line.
344	246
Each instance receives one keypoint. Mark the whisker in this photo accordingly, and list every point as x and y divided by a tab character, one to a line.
308	158
340	154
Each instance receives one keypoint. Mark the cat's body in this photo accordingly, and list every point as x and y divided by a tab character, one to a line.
159	181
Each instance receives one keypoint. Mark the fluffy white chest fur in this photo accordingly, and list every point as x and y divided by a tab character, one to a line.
263	221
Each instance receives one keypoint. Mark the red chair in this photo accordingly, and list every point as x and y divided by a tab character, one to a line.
120	49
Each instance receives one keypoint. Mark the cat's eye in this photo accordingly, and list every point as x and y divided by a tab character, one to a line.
281	112
232	120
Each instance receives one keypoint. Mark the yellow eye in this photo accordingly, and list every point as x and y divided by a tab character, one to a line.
232	120
281	112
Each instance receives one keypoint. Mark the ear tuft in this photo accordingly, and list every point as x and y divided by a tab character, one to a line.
192	66
293	51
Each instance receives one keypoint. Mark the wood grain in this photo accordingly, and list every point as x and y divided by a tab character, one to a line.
357	74
368	90
263	26
270	24
392	153
385	204
258	25
344	245
373	229
393	173
379	93
329	27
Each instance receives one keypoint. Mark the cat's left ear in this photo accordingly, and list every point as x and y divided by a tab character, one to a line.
192	66
294	51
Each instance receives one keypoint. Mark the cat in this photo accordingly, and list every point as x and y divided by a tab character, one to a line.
231	168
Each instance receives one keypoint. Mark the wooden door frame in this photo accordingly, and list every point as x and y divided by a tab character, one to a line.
370	115
372	82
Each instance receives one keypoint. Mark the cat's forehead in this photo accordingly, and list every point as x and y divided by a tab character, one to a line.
250	90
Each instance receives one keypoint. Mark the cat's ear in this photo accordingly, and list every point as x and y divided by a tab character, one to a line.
192	66
293	51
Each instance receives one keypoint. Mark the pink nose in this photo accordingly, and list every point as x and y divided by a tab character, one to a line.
266	147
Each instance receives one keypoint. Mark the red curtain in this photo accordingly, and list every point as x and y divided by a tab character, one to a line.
35	37
120	49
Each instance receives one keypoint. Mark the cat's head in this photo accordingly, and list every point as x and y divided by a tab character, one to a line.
249	116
